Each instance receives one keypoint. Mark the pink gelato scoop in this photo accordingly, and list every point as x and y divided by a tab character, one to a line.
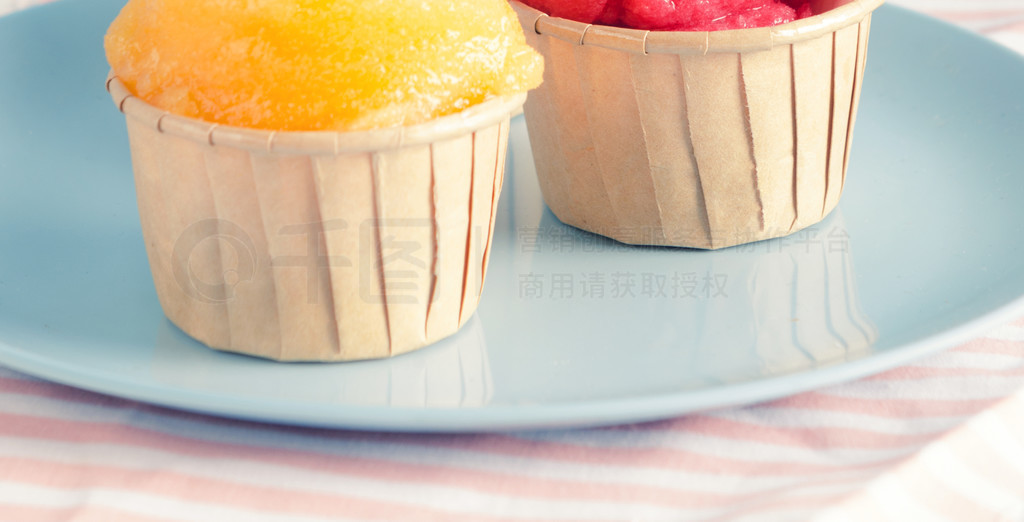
677	15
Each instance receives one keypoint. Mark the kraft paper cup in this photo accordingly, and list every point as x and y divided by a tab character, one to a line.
696	139
317	246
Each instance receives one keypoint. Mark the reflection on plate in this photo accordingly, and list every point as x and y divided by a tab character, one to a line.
455	374
573	329
688	319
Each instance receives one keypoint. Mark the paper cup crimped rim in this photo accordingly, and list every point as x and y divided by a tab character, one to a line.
696	42
474	118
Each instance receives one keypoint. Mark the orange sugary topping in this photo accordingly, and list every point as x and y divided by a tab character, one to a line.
320	64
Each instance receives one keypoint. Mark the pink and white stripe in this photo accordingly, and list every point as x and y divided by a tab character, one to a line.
938	440
946	446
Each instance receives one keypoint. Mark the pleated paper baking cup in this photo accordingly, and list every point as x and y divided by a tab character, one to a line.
320	246
696	139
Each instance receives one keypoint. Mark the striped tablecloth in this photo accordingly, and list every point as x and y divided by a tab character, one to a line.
942	439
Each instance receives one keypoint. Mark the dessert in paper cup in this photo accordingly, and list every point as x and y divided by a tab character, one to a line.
311	188
695	138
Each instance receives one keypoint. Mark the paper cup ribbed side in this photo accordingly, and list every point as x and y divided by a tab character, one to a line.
321	256
166	169
704	142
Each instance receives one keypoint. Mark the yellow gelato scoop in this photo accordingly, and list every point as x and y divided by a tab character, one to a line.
320	64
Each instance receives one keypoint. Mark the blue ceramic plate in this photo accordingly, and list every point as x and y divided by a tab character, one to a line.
924	252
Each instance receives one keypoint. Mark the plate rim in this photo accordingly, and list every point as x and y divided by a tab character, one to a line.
489	418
